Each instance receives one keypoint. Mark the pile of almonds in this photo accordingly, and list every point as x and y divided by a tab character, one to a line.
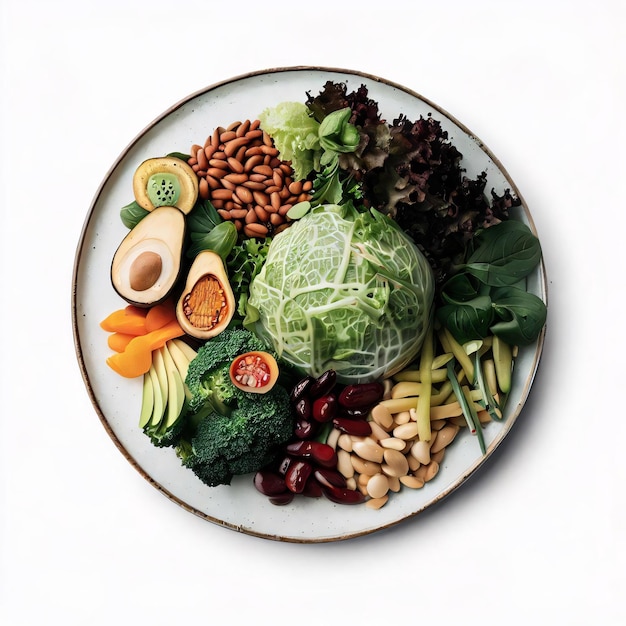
241	173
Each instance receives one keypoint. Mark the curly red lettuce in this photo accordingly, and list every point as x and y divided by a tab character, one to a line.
410	170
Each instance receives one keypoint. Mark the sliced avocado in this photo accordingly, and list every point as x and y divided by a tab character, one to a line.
147	401
175	389
160	388
181	360
147	263
186	349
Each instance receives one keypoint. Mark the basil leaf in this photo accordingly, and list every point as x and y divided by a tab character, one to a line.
504	254
519	315
132	214
467	320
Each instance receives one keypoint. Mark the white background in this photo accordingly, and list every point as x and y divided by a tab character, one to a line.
536	537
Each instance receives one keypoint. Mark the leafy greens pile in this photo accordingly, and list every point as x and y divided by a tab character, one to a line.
487	295
411	171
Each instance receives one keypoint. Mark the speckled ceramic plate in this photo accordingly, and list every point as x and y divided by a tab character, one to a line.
117	400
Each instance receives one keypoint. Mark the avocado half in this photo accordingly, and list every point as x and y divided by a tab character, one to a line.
147	263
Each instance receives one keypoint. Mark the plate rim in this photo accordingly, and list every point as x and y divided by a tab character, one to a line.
462	479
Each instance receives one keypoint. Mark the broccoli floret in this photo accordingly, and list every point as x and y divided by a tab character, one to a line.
213	392
227	431
208	377
224	446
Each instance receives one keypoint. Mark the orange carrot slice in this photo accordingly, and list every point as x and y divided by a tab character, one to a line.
137	358
130	321
160	315
119	341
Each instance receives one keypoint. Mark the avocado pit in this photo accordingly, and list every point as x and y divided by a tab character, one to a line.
145	270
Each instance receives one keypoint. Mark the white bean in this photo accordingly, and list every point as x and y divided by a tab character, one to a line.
444	437
406	431
368	450
382	416
377	486
420	450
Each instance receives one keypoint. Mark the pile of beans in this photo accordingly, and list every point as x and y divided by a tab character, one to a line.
368	452
307	466
240	172
392	456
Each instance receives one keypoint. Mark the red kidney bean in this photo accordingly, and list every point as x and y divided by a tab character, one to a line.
343	495
283	466
303	408
360	413
357	427
361	395
297	475
324	408
323	384
312	489
283	498
269	483
319	452
304	429
329	477
301	388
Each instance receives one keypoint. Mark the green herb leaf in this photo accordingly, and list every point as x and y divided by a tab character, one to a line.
179	155
132	214
337	134
521	315
504	254
461	287
220	239
244	263
200	223
467	320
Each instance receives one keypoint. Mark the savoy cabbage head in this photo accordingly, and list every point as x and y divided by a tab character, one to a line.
344	290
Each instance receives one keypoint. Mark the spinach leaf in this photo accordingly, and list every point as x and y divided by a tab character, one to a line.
179	155
504	254
467	320
207	231
460	288
521	315
132	214
487	295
